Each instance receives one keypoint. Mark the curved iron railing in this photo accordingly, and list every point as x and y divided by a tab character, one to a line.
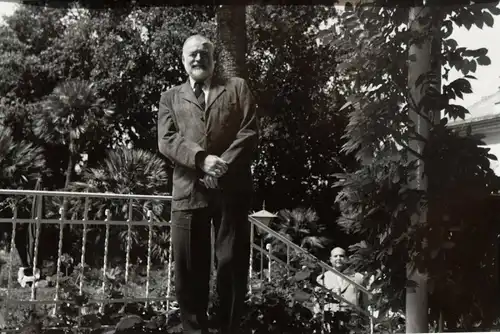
255	223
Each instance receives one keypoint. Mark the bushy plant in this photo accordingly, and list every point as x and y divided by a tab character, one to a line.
284	304
288	304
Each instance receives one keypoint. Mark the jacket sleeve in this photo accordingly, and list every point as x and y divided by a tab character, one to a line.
171	143
247	137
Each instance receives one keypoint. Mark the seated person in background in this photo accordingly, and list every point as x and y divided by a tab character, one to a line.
338	285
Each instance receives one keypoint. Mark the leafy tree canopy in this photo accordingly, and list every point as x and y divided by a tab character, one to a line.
377	203
132	55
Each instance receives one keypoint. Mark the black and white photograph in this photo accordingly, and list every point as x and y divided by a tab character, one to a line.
327	167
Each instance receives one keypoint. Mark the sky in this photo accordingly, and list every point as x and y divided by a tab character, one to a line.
6	8
488	77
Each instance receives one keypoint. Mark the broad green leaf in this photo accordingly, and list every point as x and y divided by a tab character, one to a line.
451	43
483	60
494	9
488	19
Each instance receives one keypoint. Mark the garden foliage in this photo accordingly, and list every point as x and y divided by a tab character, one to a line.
456	243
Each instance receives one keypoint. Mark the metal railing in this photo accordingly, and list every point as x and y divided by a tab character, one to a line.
125	211
297	250
83	205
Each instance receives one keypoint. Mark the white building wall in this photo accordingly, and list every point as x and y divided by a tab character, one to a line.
484	118
493	142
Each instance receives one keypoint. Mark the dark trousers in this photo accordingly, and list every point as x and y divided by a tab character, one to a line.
191	240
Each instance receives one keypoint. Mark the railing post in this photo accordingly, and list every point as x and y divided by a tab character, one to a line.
11	255
84	242
37	241
82	258
150	241
12	249
371	321
129	241
268	248
261	259
250	262
62	213
105	264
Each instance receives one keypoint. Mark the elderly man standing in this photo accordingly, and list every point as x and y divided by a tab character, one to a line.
208	129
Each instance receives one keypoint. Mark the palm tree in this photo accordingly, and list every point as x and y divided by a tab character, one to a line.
73	116
125	171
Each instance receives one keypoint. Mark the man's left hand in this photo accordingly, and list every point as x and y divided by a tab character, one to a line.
210	182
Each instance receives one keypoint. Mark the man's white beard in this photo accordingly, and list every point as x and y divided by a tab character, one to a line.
199	74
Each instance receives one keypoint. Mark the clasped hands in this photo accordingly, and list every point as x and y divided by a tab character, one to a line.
214	167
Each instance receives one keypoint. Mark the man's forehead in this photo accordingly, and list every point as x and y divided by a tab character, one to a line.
338	251
197	44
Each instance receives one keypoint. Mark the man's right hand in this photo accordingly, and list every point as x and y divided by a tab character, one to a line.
214	166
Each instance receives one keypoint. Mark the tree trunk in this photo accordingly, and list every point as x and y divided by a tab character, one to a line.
231	45
69	171
423	20
232	41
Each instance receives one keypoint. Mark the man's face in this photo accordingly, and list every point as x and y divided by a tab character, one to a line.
198	59
337	258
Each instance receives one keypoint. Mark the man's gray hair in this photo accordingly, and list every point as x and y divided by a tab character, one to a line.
200	38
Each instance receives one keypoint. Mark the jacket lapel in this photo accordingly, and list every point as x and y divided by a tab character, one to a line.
216	89
188	94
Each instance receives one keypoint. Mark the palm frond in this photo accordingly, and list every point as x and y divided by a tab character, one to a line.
125	171
20	162
69	113
300	226
311	242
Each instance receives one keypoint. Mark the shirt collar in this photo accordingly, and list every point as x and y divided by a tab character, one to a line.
206	83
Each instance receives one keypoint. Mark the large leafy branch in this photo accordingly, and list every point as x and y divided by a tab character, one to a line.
376	201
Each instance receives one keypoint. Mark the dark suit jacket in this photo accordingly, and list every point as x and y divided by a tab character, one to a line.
226	128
